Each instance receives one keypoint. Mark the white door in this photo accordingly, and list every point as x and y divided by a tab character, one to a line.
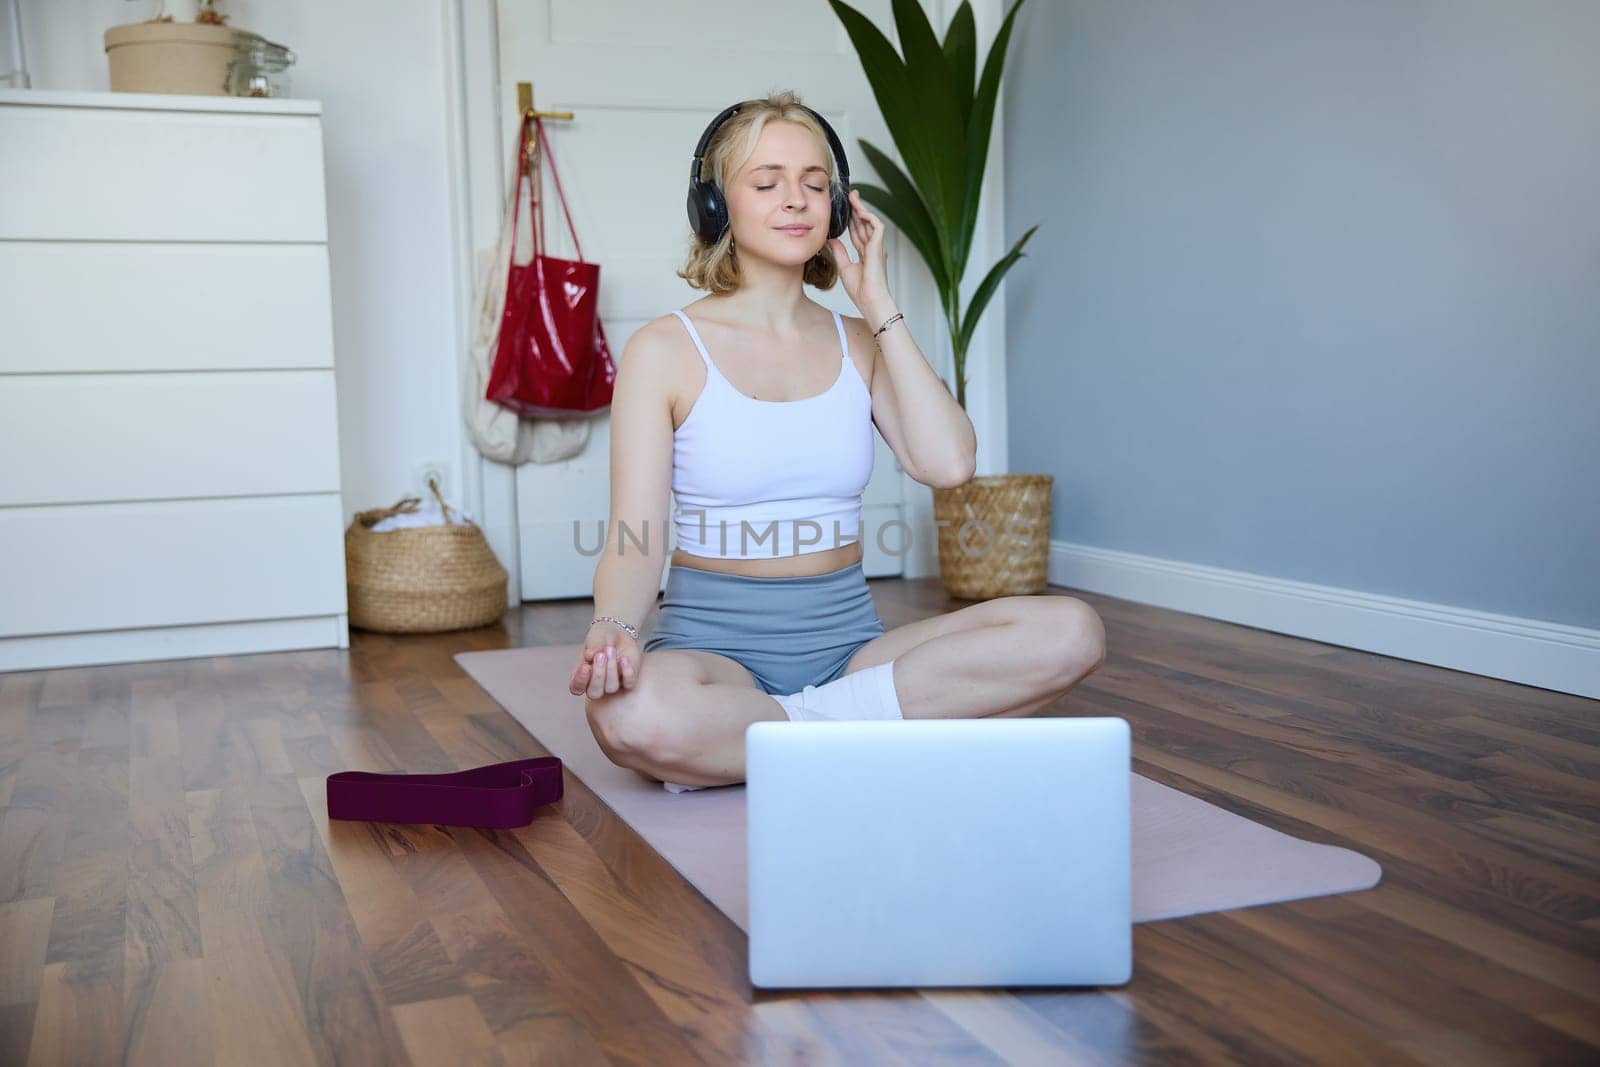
642	80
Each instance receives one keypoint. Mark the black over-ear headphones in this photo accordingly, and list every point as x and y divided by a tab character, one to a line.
708	210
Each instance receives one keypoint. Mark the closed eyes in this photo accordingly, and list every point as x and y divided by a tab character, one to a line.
813	188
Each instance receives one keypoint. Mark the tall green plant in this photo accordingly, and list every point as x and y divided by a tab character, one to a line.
940	123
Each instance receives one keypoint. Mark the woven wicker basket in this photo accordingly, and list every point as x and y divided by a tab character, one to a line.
421	579
994	535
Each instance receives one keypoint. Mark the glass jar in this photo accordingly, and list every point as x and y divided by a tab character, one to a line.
259	66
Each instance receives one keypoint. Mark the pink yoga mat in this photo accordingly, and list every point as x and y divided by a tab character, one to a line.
1189	856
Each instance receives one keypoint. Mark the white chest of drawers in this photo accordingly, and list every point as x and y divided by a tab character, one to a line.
169	459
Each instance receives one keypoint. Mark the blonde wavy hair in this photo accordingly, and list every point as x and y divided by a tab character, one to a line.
714	266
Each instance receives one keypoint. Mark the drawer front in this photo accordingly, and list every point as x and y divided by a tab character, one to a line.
71	438
86	305
170	563
117	174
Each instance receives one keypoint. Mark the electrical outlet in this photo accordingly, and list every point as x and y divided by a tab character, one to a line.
438	471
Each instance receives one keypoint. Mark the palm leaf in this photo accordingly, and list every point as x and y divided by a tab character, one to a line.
977	148
897	100
940	123
961	57
987	287
939	115
902	205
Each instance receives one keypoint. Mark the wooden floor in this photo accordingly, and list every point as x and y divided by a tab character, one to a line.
171	891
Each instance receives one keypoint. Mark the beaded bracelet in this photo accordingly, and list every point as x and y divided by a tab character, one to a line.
626	626
892	320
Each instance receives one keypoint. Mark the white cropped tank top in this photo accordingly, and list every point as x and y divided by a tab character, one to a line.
763	478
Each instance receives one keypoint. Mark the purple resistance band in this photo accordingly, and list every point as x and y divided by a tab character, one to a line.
495	796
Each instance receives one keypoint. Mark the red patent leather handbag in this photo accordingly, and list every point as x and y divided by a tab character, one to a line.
551	358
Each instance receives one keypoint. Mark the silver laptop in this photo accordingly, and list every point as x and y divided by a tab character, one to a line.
939	852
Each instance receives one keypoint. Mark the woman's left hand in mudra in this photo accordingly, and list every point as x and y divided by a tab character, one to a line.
865	280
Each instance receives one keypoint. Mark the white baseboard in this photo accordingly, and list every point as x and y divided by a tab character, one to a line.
46	651
1544	654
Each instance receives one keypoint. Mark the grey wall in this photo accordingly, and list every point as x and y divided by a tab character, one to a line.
1317	289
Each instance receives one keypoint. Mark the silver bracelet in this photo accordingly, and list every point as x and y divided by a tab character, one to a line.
892	320
627	627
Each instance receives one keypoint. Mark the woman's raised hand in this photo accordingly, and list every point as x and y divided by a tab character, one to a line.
608	661
866	281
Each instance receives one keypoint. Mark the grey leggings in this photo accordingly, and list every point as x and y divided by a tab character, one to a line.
787	632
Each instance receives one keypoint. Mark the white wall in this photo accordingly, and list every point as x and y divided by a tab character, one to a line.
379	70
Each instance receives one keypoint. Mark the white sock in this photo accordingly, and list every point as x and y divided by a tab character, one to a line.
865	694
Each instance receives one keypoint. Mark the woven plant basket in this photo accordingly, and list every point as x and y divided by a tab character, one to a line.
169	57
421	579
994	535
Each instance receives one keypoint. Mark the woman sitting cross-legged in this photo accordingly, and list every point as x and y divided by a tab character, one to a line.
755	406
